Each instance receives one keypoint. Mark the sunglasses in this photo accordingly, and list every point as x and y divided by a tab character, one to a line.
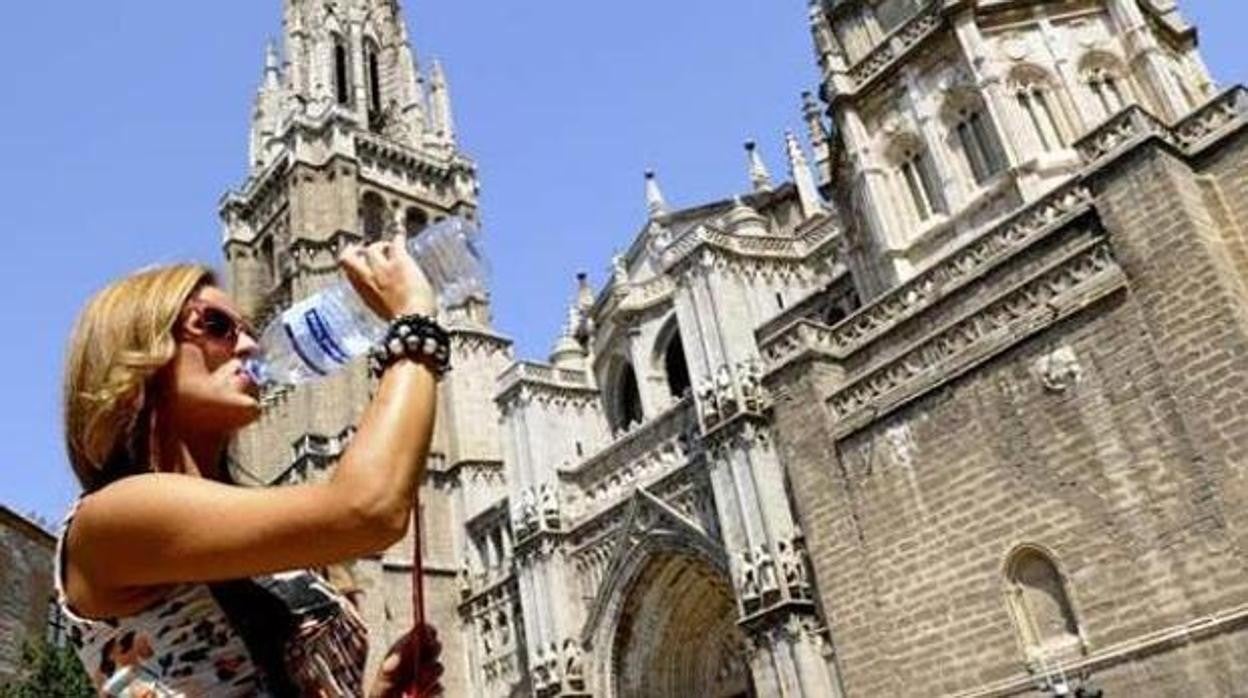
215	322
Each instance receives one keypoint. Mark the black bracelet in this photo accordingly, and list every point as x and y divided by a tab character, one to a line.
413	337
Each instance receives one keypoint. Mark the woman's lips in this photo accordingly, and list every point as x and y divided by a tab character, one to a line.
247	382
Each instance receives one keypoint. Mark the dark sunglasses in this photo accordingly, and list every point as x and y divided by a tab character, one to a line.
215	322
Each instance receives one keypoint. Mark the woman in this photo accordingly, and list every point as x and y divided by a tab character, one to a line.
178	582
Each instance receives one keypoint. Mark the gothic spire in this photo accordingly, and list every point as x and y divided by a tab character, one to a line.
655	202
799	170
819	140
272	67
568	352
440	105
760	178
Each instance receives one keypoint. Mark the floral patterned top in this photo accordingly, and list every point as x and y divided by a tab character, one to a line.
289	634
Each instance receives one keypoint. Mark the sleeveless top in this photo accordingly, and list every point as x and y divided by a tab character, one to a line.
289	634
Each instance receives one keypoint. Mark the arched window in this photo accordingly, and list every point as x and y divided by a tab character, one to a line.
373	67
372	216
675	367
342	72
975	133
626	399
1041	607
1103	75
917	177
414	221
1031	87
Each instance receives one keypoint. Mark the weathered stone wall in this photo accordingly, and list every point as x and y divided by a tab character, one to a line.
1113	438
26	553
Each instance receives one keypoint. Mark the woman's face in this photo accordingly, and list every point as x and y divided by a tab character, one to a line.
205	387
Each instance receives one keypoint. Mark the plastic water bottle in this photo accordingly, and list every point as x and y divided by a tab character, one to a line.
324	332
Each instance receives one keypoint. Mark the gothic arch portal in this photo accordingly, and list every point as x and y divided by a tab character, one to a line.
665	624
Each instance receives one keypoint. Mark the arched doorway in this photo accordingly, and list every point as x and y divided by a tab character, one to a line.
677	634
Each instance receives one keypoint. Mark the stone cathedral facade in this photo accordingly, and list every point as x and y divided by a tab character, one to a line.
958	407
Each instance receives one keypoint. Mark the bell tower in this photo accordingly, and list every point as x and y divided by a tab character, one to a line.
351	141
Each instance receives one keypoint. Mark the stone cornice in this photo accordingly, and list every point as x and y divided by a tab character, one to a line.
1220	116
453	469
1086	275
409	160
1206	126
954	271
528	377
677	420
478	336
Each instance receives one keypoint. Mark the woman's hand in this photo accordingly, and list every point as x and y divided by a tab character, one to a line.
399	666
388	279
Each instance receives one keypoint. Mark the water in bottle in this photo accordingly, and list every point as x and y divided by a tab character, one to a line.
322	333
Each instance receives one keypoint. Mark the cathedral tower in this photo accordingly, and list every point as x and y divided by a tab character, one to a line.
953	114
351	141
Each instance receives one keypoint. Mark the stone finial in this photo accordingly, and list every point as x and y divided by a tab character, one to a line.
820	141
272	66
743	219
442	119
568	352
584	292
760	178
655	203
803	178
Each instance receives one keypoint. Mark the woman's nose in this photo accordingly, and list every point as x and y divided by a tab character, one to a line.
246	345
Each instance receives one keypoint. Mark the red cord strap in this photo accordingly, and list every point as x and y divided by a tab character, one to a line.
418	603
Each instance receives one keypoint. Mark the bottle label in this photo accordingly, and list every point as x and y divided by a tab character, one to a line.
312	338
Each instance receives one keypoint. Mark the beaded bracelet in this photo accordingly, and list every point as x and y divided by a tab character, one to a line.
413	337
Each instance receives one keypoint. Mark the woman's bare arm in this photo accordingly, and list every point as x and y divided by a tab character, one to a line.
158	529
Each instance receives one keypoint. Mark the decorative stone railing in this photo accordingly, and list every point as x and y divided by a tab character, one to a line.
1211	120
531	371
1134	125
896	45
956	270
406	158
648	293
780	249
656	446
1085	275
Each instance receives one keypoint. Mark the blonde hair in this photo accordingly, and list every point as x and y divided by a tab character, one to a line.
122	338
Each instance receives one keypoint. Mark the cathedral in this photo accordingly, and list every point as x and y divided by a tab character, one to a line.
958	406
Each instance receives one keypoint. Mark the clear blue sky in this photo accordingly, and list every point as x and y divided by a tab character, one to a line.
122	124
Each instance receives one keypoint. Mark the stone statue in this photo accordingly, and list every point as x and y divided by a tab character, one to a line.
749	578
465	579
541	669
724	391
487	637
766	571
619	274
573	663
550	506
751	385
803	565
528	510
504	629
553	667
710	405
790	565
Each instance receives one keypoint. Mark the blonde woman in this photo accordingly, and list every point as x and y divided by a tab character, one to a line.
178	582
